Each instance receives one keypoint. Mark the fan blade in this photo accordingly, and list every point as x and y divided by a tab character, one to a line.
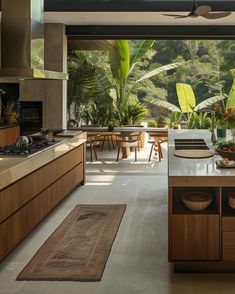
216	15
176	15
202	10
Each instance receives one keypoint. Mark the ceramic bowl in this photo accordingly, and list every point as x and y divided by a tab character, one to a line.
226	154
231	200
196	201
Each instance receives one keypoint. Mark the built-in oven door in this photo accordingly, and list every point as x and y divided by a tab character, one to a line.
30	117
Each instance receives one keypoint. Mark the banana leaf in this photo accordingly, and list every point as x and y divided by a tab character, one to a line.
186	97
231	96
208	102
120	60
140	49
159	70
166	105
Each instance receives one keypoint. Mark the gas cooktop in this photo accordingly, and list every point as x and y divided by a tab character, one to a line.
33	149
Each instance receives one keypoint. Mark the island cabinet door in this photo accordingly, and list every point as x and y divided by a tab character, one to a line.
195	237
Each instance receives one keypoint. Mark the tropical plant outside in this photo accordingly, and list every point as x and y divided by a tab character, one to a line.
208	72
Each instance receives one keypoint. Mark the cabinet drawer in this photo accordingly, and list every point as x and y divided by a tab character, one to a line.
15	228
229	246
19	193
65	163
61	188
228	224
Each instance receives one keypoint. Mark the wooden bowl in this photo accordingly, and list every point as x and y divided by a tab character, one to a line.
226	154
231	200
196	201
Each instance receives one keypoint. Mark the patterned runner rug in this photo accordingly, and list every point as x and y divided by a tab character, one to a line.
79	248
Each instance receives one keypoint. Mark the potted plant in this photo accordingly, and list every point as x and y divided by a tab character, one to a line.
9	111
161	121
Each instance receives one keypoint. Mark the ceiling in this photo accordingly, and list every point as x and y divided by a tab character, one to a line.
132	18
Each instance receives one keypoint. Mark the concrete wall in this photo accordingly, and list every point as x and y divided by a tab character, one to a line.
53	93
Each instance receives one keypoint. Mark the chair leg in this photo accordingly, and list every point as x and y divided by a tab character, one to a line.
91	146
159	151
118	153
112	142
109	143
102	144
135	153
94	149
150	155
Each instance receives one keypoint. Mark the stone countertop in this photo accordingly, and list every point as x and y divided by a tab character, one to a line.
12	168
185	167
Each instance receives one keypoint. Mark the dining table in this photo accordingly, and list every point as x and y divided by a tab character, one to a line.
124	131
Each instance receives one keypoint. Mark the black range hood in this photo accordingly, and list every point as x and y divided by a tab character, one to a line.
22	41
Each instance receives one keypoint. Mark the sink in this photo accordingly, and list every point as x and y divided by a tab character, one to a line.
191	144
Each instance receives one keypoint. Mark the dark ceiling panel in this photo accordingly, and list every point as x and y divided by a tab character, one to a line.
152	32
134	5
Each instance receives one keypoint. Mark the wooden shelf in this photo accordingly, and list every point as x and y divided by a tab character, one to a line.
226	209
179	208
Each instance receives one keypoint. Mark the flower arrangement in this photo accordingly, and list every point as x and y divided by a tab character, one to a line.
229	118
220	110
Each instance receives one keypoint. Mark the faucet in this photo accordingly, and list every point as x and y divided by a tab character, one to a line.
213	137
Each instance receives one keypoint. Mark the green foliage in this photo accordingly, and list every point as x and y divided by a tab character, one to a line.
186	97
231	97
151	123
175	118
199	121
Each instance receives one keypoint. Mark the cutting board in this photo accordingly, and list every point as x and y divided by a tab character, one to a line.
68	134
194	153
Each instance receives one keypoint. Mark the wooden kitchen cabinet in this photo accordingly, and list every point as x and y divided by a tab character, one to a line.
9	135
195	237
25	203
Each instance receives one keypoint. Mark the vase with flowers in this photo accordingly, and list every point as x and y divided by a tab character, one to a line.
229	118
220	122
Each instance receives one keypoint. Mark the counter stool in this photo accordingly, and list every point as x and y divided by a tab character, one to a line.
156	139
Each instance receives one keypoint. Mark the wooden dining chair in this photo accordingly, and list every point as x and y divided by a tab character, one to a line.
156	139
92	143
128	141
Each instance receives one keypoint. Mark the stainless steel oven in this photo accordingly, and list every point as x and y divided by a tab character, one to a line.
30	117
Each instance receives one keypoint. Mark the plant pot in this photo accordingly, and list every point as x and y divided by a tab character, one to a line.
9	117
221	133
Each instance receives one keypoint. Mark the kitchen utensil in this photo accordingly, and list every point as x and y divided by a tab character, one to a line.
194	153
23	142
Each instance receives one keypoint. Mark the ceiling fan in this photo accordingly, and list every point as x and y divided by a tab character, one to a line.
203	11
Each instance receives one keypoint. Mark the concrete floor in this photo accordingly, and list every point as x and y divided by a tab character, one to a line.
138	260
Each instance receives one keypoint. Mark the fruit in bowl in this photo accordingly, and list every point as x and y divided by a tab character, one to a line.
226	149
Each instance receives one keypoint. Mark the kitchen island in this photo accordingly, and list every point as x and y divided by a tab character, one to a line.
200	241
32	186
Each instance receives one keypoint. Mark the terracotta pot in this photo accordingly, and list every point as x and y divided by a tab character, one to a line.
9	117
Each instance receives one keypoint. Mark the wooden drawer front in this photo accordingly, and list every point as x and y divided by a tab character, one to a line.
14	229
65	163
229	246
228	224
16	195
61	188
195	237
